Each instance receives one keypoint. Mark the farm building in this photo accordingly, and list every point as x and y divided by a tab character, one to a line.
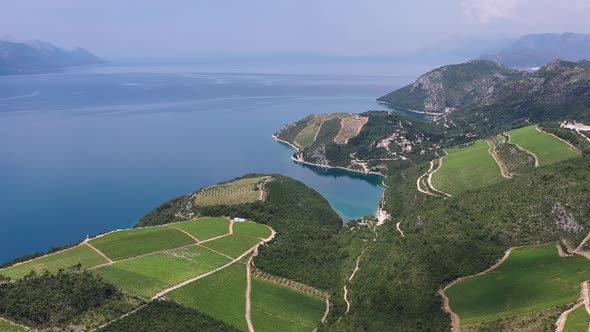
239	220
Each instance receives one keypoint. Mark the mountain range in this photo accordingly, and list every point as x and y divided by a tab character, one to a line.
18	57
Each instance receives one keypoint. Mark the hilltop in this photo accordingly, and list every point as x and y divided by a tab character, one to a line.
18	57
537	49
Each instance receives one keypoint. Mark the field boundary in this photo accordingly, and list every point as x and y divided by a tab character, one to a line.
187	233
98	252
537	164
419	181
503	169
440	163
583	300
248	307
15	324
572	147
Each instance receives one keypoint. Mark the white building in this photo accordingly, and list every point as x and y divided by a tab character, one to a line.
239	220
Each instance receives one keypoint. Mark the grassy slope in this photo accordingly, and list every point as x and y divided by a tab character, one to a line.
577	321
531	279
220	295
205	228
146	276
232	192
277	308
60	260
233	245
547	148
466	169
134	242
252	229
7	326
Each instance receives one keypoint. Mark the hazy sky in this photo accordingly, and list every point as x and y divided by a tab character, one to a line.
128	28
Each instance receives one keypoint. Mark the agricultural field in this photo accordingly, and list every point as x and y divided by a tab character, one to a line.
146	276
231	193
205	228
277	308
547	148
233	245
307	135
351	127
220	295
7	326
530	279
252	229
466	168
577	321
53	262
138	241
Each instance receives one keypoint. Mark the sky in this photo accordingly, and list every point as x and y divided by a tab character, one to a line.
178	28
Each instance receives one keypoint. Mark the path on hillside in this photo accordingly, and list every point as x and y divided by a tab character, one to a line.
573	148
319	128
440	162
503	169
399	229
98	252
419	181
582	134
583	300
356	268
187	233
537	164
248	313
455	320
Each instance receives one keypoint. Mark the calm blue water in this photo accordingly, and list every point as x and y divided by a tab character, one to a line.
91	150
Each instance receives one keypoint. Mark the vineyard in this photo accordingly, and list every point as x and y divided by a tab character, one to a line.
235	192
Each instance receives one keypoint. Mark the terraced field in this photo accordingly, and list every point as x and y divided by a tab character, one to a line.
135	242
530	279
60	260
277	308
220	295
547	148
577	321
466	168
252	229
205	228
234	192
233	245
147	275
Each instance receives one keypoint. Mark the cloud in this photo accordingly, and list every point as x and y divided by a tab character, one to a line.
485	11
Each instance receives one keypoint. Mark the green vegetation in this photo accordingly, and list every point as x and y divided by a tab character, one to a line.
542	320
467	168
277	308
205	228
134	242
577	321
530	279
7	326
166	316
61	260
233	245
546	147
220	295
57	300
147	275
305	248
516	160
252	229
233	192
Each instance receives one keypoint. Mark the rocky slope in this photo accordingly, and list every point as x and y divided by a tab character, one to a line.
453	86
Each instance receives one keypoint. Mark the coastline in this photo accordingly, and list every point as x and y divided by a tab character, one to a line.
301	161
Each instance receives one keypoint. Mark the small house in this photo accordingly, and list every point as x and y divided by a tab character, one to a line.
239	220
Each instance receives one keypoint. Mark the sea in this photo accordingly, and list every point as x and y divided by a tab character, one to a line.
92	149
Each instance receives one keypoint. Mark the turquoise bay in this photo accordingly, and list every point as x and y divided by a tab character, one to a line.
87	151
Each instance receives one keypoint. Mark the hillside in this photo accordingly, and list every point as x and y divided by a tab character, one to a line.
36	56
370	142
537	49
453	86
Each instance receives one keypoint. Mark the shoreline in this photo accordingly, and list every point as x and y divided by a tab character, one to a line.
301	161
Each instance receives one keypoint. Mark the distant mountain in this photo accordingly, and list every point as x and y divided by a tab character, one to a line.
452	86
35	56
538	49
